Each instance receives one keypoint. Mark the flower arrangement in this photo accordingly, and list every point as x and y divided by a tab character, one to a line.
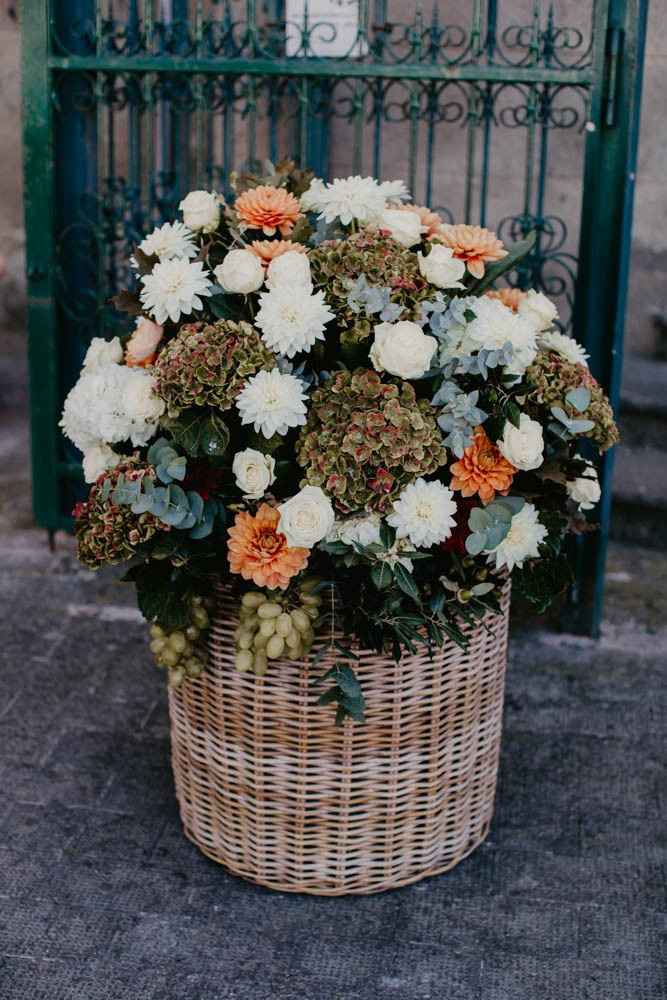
326	405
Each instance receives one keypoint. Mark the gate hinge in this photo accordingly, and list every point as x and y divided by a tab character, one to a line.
614	49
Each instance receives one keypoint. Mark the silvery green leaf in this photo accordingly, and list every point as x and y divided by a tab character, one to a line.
495	534
177	468
475	544
482	588
196	504
480	519
126	492
579	398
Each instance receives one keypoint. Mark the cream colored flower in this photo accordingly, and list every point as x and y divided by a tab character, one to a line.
404	227
423	513
441	268
291	270
402	349
306	518
523	446
585	489
201	211
254	472
103	352
240	273
538	310
97	459
521	542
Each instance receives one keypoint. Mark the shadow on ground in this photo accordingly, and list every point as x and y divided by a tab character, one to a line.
101	897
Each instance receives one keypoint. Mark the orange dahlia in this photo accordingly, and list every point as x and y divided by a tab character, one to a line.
482	470
472	244
259	552
268	208
268	250
510	297
430	220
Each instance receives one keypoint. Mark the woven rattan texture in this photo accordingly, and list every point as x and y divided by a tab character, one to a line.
269	787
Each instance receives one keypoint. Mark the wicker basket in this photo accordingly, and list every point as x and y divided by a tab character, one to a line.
269	787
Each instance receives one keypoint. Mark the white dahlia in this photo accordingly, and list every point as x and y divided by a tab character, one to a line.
522	541
394	190
345	199
494	326
423	513
272	402
292	320
174	288
567	347
170	241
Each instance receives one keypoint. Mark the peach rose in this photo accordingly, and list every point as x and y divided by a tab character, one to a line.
141	348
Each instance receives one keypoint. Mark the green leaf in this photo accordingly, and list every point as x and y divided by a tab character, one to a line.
128	303
515	253
514	414
200	433
475	544
406	582
381	575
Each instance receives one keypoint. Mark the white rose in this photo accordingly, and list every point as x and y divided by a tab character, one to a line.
201	211
241	272
585	489
441	268
290	269
103	352
538	310
405	227
254	472
402	349
523	446
97	459
306	518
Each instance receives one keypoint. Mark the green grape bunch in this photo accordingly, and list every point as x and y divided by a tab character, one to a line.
276	626
182	651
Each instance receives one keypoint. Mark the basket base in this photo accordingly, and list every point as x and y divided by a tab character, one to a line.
360	891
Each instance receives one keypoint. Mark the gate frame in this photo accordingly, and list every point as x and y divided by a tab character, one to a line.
615	82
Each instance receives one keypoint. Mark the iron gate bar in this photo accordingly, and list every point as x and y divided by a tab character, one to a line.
295	67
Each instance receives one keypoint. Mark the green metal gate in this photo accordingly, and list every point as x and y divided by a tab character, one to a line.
493	117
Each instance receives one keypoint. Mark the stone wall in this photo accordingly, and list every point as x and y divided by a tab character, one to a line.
648	295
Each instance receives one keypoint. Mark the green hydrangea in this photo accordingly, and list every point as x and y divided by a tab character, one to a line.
208	365
366	439
552	376
109	533
334	264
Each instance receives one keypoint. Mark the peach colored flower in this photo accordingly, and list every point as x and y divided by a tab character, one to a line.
472	244
141	348
510	297
259	552
268	208
268	250
482	470
430	220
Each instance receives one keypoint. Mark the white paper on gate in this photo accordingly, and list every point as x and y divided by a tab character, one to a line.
332	26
